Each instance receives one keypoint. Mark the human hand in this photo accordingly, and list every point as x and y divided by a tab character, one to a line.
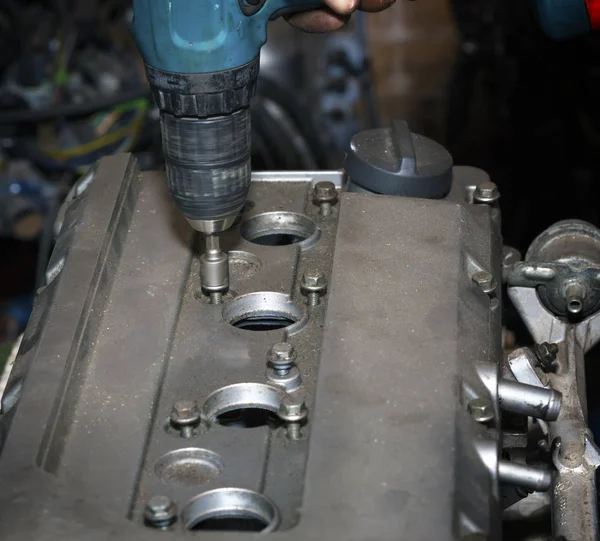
335	14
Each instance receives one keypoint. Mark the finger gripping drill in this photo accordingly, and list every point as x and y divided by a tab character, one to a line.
202	59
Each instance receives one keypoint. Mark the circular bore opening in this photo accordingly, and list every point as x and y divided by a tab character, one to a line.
263	312
231	509
281	229
244	405
248	418
189	467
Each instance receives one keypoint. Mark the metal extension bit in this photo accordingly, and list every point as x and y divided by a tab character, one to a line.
214	270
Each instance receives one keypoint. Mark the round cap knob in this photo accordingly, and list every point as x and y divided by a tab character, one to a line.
395	161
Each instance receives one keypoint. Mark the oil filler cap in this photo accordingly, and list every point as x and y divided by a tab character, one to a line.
395	161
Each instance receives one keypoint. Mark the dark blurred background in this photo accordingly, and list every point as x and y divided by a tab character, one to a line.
476	75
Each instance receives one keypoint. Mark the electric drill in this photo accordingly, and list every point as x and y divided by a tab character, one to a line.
202	59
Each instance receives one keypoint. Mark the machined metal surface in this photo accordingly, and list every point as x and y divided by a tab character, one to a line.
376	441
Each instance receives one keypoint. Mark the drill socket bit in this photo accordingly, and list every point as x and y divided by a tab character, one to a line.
214	268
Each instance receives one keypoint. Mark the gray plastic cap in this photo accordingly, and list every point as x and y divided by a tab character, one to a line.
394	161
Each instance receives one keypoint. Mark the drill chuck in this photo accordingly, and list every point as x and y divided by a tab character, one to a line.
208	167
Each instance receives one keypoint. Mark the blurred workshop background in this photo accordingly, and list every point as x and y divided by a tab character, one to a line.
477	75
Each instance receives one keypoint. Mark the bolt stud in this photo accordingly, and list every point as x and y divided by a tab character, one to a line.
486	193
293	412
186	417
481	409
281	358
325	195
313	285
545	354
485	281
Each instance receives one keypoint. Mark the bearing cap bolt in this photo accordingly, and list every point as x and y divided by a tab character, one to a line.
486	193
281	358
481	409
186	416
160	512
325	195
545	354
313	285
485	281
293	412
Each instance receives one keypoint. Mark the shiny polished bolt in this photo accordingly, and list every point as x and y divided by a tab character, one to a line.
486	193
281	358
485	281
481	409
185	416
293	412
313	285
214	270
325	195
160	512
545	354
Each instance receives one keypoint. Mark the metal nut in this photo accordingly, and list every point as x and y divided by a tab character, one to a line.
485	281
481	409
545	354
325	192
486	193
292	410
314	281
281	358
160	511
185	412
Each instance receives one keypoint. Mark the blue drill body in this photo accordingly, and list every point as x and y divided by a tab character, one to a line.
203	36
201	59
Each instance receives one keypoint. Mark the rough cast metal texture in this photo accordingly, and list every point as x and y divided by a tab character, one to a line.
389	359
576	456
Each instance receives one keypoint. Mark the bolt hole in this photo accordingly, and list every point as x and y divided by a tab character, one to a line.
262	324
280	229
231	524
231	509
248	418
244	405
263	312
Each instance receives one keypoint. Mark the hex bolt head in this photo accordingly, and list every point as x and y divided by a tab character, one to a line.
281	358
481	409
325	195
185	416
325	192
160	512
314	280
485	281
313	285
293	412
185	412
486	193
545	354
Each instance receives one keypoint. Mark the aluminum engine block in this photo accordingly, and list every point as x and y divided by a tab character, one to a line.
392	428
